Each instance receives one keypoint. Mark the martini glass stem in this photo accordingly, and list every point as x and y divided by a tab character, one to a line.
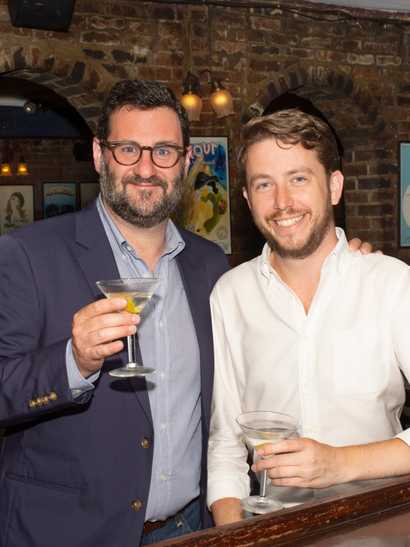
132	360
262	484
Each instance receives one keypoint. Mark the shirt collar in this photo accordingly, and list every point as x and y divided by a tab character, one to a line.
174	243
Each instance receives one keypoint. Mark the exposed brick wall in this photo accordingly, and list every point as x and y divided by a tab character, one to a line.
356	70
48	160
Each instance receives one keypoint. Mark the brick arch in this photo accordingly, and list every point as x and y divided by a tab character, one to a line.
315	77
370	167
82	81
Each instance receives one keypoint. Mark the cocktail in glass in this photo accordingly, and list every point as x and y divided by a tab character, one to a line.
137	291
259	428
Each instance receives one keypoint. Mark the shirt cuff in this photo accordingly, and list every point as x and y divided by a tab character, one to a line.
235	487
76	382
404	436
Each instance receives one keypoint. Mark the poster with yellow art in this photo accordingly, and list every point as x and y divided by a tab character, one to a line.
206	203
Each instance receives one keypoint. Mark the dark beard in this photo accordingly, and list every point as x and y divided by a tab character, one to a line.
311	245
139	216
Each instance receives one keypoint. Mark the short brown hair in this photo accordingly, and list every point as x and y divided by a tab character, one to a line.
292	126
142	94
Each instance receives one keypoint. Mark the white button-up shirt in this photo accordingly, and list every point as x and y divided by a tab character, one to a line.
337	369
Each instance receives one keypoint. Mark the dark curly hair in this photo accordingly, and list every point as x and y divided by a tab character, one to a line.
143	94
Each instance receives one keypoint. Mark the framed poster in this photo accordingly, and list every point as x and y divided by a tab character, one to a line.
58	198
404	195
206	205
16	206
88	192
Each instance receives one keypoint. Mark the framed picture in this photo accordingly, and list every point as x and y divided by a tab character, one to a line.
59	198
206	204
88	192
404	195
16	206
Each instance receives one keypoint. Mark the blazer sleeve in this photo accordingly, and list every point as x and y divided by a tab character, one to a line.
33	377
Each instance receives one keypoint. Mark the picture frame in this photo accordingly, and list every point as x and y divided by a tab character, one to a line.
88	192
404	194
16	206
59	198
206	206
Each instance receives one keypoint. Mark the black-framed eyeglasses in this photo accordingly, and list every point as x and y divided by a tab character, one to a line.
130	152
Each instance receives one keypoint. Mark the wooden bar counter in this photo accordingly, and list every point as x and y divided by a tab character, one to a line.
367	513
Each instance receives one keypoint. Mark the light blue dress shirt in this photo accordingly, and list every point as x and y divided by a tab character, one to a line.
168	343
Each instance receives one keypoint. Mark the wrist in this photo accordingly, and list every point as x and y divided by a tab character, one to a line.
346	462
226	511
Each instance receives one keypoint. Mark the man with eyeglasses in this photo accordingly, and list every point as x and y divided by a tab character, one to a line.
89	460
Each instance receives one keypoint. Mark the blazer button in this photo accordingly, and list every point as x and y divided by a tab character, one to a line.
136	505
52	396
145	443
32	403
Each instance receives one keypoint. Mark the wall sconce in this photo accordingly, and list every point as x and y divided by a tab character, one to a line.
5	167
22	168
221	99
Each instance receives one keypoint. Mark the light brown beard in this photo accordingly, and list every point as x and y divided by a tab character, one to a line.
313	242
140	215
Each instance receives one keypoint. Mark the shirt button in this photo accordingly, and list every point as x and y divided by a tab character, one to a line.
136	505
163	477
145	443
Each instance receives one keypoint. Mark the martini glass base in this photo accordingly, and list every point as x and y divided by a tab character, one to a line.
260	505
131	371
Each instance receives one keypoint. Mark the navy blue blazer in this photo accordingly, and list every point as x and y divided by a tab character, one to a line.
70	469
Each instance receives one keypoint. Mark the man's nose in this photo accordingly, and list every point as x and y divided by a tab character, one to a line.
283	197
145	168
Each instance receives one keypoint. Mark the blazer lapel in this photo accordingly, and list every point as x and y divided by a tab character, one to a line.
197	289
96	260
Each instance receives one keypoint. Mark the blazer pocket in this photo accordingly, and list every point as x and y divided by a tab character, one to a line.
43	484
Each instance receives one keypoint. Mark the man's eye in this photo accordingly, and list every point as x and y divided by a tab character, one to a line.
129	149
262	185
299	180
162	151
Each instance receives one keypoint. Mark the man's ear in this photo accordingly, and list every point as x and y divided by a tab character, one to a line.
336	186
97	154
245	195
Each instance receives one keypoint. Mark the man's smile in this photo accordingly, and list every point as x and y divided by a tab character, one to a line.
290	221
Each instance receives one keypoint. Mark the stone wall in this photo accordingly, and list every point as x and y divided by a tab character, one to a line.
352	64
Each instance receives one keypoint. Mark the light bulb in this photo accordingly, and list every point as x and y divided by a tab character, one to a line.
221	101
193	105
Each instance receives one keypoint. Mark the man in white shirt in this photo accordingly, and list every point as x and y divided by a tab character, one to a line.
308	328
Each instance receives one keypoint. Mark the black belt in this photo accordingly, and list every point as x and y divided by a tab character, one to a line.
151	525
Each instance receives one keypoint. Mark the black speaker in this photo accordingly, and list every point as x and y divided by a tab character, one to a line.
41	14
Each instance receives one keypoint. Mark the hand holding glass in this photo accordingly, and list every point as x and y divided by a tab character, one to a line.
137	291
259	428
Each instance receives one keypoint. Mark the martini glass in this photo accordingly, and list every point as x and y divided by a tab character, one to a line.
137	291
262	427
